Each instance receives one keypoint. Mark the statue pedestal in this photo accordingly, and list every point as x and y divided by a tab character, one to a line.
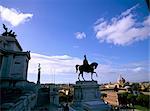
87	97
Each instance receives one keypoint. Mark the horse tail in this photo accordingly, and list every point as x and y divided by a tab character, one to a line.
77	68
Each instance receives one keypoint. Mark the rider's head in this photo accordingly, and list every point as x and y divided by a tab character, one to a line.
84	56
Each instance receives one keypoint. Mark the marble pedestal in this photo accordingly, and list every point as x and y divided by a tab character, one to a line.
87	97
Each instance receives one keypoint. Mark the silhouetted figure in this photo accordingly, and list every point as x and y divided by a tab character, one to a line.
86	68
6	33
10	32
66	108
6	30
85	62
13	34
116	88
4	26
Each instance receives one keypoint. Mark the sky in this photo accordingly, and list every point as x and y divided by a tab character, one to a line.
113	33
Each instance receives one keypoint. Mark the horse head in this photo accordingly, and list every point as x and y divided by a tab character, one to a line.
94	65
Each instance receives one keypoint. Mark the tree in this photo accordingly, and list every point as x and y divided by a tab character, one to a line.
135	86
131	98
122	98
143	100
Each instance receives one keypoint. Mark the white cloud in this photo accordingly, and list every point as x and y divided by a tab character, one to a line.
13	16
137	69
80	35
50	64
133	72
123	29
128	11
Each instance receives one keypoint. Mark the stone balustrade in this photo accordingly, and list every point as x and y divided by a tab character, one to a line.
24	103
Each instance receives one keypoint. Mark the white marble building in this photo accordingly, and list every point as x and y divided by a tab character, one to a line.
13	61
17	94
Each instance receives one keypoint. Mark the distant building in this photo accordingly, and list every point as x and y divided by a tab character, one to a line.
121	81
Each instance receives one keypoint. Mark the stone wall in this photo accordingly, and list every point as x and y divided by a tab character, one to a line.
24	103
43	96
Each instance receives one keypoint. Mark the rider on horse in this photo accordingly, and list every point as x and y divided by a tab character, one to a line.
85	62
86	67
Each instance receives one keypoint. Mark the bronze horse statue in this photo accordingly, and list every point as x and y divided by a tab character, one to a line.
89	68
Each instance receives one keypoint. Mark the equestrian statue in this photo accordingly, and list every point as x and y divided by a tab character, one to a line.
86	67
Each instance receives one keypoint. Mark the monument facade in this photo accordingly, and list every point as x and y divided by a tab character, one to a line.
87	97
13	61
17	94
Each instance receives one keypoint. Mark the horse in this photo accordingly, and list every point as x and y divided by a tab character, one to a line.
89	68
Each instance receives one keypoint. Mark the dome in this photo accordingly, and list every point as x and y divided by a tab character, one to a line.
121	79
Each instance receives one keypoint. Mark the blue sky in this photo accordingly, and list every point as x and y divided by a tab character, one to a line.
113	33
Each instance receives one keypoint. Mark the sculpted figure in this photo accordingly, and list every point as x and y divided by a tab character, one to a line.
6	33
86	68
85	61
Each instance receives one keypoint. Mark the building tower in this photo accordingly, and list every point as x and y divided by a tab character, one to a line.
121	81
39	73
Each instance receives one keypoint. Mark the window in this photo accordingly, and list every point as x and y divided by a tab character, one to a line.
1	58
17	62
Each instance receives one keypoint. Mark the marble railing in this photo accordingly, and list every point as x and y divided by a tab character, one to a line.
24	103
